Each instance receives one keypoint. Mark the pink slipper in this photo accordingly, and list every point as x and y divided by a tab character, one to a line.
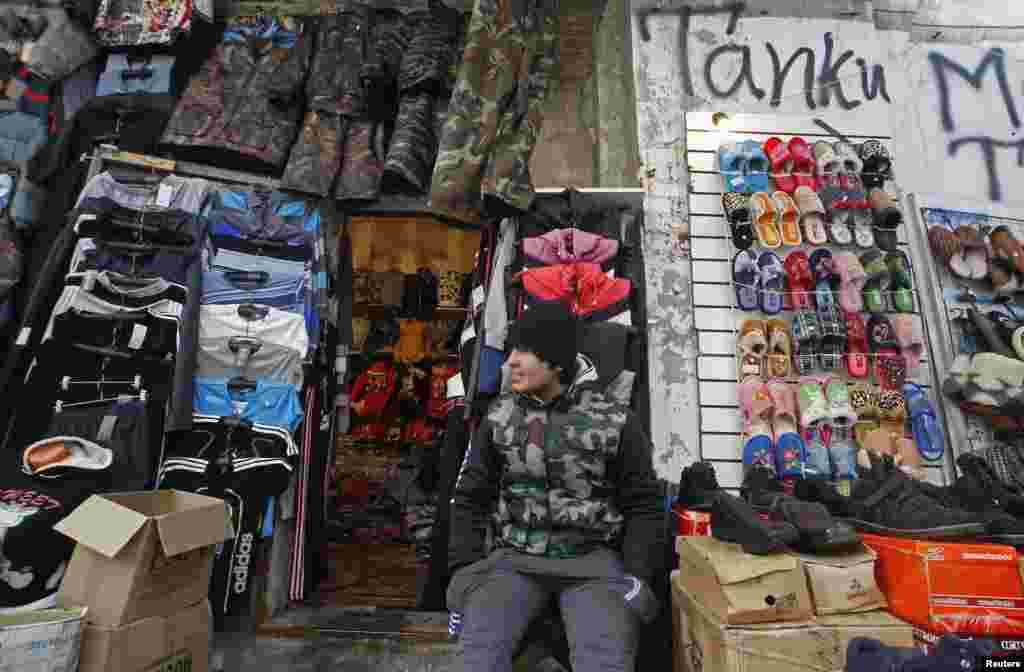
852	279
910	339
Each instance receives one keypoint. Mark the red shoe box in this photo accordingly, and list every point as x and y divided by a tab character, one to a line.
942	587
692	523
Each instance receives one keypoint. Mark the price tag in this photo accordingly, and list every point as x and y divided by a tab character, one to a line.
164	196
138	337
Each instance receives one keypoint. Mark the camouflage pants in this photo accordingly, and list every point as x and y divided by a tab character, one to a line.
495	113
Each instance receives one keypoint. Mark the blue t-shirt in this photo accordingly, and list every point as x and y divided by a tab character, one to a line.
273	404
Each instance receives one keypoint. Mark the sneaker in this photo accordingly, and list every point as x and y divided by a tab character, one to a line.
1000	526
697	487
978	481
818	530
886	501
733	521
815	490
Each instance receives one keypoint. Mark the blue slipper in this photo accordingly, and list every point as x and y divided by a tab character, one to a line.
757	166
773	283
928	436
746	279
731	166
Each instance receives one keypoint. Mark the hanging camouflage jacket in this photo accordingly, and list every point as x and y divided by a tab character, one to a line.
559	480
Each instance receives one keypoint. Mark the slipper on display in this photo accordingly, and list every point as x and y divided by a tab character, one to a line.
746	277
974	252
888	218
751	347
799	280
1006	246
945	246
827	163
781	162
910	340
789	445
825	278
756	167
863	228
928	436
1018	342
850	167
736	207
892	415
840	217
772	283
864	401
877	285
803	163
807	340
833	348
780	349
732	167
842	453
816	440
857	360
813	403
812	215
758	409
877	163
788	219
901	286
766	218
890	367
852	279
1003	278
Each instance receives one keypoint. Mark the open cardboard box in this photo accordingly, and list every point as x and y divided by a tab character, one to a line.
741	588
141	554
703	643
843	583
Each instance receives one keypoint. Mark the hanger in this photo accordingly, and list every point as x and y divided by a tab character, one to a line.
240	384
236	343
261	277
142	249
252	312
67	382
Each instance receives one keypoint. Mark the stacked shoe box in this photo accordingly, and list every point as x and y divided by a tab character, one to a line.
953	588
735	611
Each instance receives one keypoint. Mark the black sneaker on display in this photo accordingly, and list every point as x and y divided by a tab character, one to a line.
887	501
1000	527
819	531
697	487
733	520
978	482
815	490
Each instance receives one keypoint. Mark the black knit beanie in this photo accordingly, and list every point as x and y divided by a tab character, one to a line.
550	331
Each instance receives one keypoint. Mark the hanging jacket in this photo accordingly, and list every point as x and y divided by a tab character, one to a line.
591	294
559	480
374	389
247	96
567	246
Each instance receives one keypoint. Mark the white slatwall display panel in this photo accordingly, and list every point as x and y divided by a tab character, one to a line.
712	251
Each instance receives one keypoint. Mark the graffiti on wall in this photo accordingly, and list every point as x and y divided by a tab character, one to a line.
946	71
820	85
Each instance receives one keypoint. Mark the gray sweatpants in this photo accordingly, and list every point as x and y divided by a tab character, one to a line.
602	607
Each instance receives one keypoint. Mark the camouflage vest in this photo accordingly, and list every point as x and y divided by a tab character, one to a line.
556	498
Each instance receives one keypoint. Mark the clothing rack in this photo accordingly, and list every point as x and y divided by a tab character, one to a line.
111	154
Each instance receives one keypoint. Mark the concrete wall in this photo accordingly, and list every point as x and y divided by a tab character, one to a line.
944	78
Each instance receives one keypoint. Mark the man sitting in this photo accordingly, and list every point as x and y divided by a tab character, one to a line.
565	473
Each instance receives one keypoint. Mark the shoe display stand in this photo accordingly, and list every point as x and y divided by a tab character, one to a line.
820	429
975	286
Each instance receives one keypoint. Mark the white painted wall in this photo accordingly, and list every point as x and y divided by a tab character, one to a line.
928	160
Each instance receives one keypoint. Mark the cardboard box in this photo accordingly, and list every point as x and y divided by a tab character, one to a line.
180	641
942	587
47	640
843	583
141	554
741	588
704	644
692	523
